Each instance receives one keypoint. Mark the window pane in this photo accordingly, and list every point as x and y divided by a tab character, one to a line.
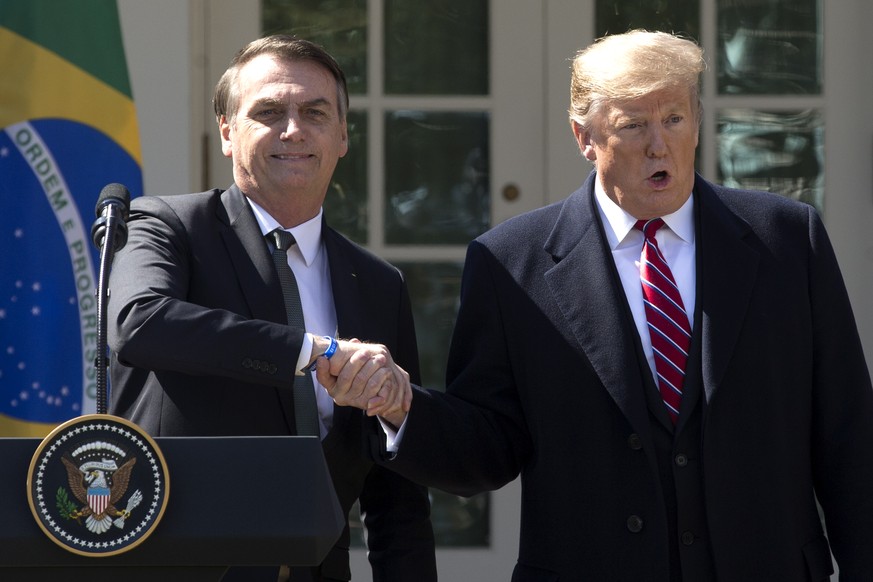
771	47
340	26
434	289
780	152
437	177
345	206
617	16
438	47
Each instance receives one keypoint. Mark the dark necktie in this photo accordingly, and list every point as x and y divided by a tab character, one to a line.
305	408
666	317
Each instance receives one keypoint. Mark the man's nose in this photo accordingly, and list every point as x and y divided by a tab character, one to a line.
293	129
657	145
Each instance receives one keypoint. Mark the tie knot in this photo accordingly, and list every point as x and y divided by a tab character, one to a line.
649	227
282	239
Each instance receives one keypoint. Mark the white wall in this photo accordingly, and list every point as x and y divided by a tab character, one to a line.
157	44
849	153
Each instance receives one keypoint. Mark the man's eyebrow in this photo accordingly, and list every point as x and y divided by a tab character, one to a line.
317	102
274	102
268	101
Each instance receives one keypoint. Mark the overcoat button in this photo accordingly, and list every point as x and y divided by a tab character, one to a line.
681	460
635	524
635	442
687	538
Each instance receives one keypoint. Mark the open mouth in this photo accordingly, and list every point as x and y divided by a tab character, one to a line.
659	176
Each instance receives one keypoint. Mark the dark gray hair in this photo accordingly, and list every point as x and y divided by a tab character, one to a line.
225	99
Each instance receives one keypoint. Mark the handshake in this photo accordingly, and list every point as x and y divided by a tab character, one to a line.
364	376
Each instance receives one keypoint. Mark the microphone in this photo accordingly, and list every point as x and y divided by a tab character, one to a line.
113	205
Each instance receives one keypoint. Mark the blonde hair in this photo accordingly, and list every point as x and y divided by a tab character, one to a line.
626	66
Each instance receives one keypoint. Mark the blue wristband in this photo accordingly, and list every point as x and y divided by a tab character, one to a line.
331	349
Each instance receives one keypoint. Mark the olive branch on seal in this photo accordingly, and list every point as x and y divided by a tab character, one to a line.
66	507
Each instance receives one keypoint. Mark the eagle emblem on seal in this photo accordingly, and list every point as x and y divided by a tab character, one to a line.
99	484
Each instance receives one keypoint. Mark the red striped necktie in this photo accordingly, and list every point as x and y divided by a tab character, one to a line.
667	321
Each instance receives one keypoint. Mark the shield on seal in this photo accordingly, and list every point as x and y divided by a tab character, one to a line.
98	499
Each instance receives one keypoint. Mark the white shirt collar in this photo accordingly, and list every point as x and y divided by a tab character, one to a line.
618	223
307	234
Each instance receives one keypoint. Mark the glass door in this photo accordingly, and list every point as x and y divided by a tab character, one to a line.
435	159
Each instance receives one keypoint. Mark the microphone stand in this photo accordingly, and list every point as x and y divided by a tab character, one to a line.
109	228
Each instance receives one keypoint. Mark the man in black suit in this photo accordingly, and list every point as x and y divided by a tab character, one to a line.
654	446
197	320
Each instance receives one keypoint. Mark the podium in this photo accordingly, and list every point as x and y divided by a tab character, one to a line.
233	501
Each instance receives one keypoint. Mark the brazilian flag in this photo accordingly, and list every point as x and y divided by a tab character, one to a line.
67	128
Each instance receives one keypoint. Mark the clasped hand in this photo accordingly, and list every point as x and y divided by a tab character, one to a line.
365	376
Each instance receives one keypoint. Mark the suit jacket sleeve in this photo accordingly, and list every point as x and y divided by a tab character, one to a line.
176	304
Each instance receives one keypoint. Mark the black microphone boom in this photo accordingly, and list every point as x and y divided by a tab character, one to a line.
113	206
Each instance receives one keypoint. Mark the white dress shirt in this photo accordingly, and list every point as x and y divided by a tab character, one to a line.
676	242
308	261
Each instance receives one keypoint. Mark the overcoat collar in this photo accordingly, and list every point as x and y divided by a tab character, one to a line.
727	270
585	285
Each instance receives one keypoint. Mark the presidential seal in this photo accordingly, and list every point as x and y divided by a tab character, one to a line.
98	485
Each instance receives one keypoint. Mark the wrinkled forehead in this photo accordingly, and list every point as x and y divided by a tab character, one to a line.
273	79
660	102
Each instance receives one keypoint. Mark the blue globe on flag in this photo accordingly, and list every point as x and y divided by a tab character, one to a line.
48	307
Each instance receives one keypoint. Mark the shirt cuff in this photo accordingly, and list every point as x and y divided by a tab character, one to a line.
305	353
392	437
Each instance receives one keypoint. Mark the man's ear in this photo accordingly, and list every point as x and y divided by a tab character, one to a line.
583	140
224	131
344	140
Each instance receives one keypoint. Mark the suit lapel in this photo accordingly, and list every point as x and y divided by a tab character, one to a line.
726	270
255	272
251	258
585	286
